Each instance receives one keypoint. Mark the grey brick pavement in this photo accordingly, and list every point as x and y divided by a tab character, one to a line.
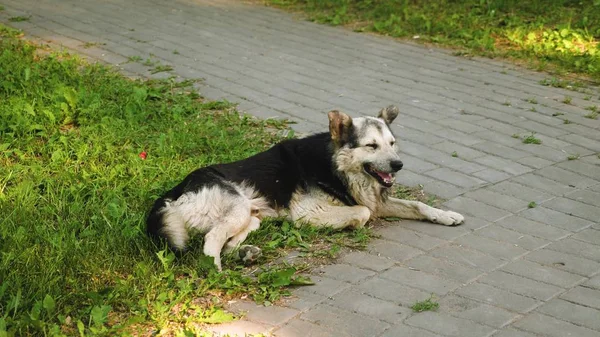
509	270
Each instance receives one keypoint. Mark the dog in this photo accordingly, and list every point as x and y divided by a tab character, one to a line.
341	178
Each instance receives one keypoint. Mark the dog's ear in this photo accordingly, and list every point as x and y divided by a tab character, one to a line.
340	126
388	114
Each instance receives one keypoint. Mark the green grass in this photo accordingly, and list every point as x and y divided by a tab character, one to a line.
574	156
426	305
532	204
532	140
19	18
74	193
559	35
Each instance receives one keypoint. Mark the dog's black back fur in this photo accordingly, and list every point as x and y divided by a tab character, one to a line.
276	174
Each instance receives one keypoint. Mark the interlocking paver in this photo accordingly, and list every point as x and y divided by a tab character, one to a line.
542	273
270	315
475	311
354	301
567	262
520	285
552	327
276	67
344	321
448	326
498	297
445	268
573	313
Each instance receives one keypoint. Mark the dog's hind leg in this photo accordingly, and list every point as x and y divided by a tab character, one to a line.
247	253
408	209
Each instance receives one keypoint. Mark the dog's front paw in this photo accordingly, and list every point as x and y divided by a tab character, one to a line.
249	254
448	218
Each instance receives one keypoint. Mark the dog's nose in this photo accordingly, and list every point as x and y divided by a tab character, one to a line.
396	165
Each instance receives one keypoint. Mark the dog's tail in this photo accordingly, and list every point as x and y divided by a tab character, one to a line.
260	207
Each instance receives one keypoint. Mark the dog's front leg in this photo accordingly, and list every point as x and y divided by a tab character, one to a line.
416	210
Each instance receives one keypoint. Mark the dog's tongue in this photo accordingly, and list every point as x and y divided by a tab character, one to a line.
385	176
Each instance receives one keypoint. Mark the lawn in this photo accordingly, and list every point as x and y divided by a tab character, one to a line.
83	154
554	35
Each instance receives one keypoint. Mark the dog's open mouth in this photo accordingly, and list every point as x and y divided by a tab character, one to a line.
384	178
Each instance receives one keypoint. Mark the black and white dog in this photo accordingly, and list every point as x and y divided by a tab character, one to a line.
340	179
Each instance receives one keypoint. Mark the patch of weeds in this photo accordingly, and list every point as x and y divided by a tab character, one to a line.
74	191
566	121
532	204
415	193
426	305
567	99
19	18
533	109
160	68
175	52
532	140
592	108
1	8
531	100
454	154
516	135
561	83
149	62
506	103
587	97
557	114
93	44
592	115
574	156
134	58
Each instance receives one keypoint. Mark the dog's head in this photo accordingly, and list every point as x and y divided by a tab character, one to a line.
366	145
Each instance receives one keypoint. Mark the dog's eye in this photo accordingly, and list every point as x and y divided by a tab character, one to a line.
373	146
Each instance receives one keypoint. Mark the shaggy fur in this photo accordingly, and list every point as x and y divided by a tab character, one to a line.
340	179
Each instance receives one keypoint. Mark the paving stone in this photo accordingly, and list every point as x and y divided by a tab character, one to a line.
440	158
554	218
566	262
443	189
393	291
474	223
531	227
581	168
520	191
420	280
498	200
271	315
344	272
594	282
468	257
534	162
586	196
344	321
546	185
585	296
510	332
500	150
476	208
433	229
411	179
461	150
303	300
447	325
501	234
576	247
402	330
409	237
445	268
589	235
239	328
502	250
552	327
459	125
520	285
491	175
325	286
498	297
475	311
504	165
301	328
356	302
367	261
392	250
417	165
571	312
575	208
455	178
542	273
